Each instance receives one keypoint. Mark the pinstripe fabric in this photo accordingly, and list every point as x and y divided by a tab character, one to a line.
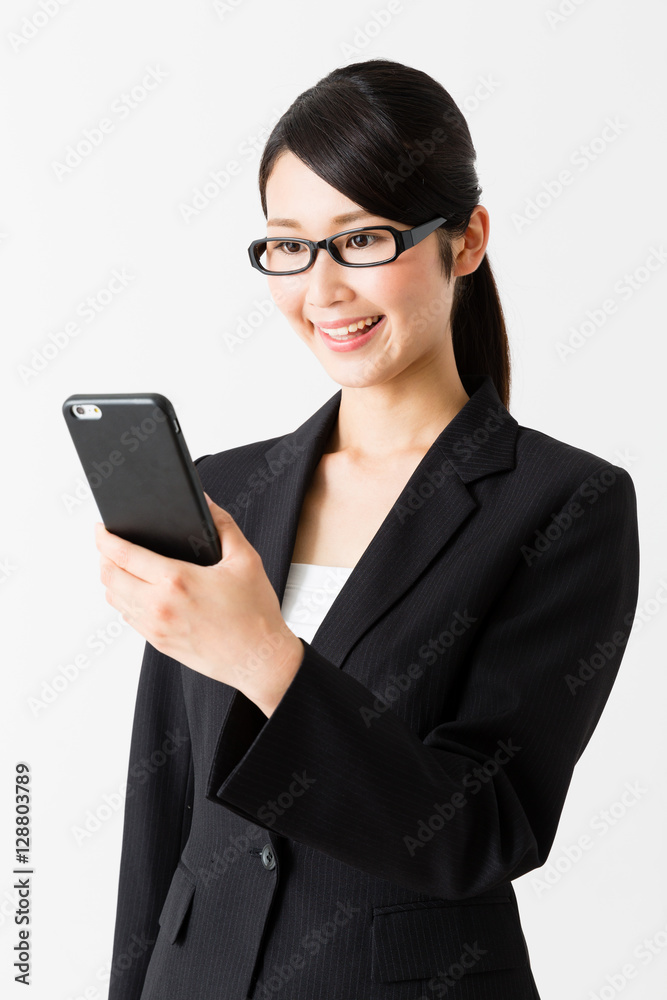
360	843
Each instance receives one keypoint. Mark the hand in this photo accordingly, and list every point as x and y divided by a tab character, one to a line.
222	620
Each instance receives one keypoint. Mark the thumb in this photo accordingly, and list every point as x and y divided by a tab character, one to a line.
227	527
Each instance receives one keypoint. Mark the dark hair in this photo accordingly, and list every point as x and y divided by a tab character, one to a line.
391	139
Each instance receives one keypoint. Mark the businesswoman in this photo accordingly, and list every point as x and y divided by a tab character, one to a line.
354	731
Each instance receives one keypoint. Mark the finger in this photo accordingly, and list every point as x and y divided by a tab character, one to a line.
124	592
140	562
234	539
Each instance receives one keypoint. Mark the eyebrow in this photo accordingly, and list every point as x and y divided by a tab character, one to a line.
338	220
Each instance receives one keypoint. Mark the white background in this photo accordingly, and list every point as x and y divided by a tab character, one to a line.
534	90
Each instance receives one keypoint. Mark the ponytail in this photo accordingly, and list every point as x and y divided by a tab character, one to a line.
479	335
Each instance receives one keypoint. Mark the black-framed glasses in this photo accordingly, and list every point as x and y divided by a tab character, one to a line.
367	246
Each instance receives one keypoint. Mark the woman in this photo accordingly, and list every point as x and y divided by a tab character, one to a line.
335	806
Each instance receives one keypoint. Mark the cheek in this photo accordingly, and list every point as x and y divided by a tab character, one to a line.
417	304
399	287
287	295
425	295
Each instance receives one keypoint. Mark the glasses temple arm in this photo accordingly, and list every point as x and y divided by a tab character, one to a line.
412	236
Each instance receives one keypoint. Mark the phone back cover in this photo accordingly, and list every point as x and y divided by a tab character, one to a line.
140	472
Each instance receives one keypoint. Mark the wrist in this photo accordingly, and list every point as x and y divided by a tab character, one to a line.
270	683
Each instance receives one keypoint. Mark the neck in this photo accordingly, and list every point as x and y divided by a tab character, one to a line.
400	417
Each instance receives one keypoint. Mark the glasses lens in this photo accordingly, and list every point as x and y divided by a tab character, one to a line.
370	246
282	255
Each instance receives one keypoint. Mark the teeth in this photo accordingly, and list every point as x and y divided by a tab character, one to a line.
342	332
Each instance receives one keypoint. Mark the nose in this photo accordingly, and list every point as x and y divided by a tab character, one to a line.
327	281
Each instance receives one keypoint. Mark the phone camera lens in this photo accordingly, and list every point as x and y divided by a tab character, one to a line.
80	409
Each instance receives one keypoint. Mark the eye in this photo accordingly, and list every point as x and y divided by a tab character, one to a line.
369	237
288	243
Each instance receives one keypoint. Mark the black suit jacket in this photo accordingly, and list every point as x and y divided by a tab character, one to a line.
360	843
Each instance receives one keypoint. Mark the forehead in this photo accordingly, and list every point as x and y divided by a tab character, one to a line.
296	197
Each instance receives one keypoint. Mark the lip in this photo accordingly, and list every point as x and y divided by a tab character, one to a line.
352	344
343	322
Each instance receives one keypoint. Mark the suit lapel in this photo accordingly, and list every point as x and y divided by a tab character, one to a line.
434	502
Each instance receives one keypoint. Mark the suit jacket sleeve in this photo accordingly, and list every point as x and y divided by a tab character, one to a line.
476	801
157	817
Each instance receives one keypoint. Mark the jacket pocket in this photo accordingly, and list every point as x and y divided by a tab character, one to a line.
177	902
452	940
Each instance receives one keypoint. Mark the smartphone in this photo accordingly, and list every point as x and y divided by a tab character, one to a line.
142	477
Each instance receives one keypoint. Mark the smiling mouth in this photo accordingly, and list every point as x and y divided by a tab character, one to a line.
360	328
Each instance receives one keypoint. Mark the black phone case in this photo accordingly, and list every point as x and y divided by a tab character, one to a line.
141	475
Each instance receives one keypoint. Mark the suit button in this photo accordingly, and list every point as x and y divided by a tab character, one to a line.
268	860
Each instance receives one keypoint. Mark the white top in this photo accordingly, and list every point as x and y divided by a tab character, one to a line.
310	591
